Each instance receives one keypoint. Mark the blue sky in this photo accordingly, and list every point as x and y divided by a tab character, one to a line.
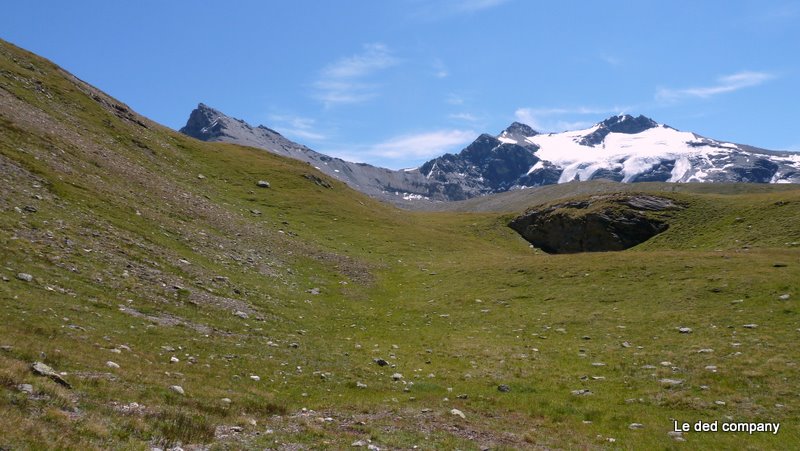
395	83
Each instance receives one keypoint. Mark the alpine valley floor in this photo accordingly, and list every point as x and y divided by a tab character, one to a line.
156	262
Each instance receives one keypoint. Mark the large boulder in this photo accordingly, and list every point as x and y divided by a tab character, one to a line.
595	224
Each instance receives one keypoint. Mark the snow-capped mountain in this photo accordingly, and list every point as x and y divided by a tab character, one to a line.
621	148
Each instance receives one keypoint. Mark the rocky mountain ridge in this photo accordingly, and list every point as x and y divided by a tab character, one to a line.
621	148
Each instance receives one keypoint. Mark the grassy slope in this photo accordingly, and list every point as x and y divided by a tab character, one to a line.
466	302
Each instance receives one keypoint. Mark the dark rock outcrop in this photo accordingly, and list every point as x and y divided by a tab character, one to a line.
599	223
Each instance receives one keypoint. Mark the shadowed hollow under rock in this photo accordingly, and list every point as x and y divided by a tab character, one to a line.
596	224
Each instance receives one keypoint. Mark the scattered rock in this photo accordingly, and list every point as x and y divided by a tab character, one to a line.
262	184
784	297
174	359
457	413
380	362
25	277
201	176
582	392
41	369
361	385
359	444
313	291
750	326
503	388
112	365
397	376
636	426
705	351
25	388
226	401
711	368
676	435
685	330
625	344
671	382
255	378
241	314
177	389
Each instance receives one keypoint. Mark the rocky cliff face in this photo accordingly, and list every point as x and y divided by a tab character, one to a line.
599	223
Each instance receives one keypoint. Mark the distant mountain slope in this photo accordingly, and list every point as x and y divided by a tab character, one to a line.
621	148
208	124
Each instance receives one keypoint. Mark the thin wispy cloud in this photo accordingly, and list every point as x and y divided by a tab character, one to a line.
724	85
348	80
466	117
562	118
454	99
611	60
428	10
476	5
297	126
439	69
422	145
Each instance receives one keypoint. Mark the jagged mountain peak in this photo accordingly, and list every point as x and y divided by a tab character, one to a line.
518	128
625	123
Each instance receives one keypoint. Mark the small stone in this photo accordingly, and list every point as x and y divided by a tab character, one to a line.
503	388
177	389
676	435
373	448
671	382
42	369
358	444
174	359
380	362
397	376
294	345
225	401
582	392
711	368
705	351
237	429
255	378
685	330
201	176
750	326
262	184
457	413
719	403
112	365
25	277
241	314
361	385
635	426
25	388
598	364
625	344
784	297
